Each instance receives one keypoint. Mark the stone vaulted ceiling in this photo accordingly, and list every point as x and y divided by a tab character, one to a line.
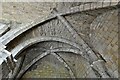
59	40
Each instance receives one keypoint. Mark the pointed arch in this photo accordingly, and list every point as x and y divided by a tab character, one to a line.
18	49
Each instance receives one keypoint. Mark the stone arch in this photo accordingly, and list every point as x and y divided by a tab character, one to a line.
53	52
18	49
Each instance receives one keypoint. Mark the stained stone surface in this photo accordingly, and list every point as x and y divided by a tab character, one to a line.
49	67
24	12
98	28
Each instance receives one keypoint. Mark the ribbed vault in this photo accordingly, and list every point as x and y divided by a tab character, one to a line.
62	45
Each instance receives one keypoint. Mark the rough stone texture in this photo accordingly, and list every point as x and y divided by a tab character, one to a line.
49	67
25	12
84	71
107	36
98	28
101	34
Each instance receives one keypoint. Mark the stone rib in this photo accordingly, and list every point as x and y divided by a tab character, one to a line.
65	64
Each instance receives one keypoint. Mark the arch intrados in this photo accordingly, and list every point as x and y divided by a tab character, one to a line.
21	47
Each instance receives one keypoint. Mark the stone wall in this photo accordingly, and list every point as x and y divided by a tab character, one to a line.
105	38
100	31
97	27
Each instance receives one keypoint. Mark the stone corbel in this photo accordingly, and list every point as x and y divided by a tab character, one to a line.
7	57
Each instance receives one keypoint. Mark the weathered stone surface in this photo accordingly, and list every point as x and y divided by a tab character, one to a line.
109	37
90	36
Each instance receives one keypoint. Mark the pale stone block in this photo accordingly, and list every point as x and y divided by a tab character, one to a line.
81	7
106	4
86	6
93	5
99	4
113	3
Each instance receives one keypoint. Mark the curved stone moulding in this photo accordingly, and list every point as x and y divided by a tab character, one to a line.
22	72
75	51
5	39
85	47
17	68
18	49
65	64
90	6
53	52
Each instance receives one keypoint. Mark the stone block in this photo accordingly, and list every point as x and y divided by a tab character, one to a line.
109	40
106	4
74	9
113	34
115	48
86	6
109	47
114	40
93	5
114	58
81	7
114	2
99	4
105	28
106	36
